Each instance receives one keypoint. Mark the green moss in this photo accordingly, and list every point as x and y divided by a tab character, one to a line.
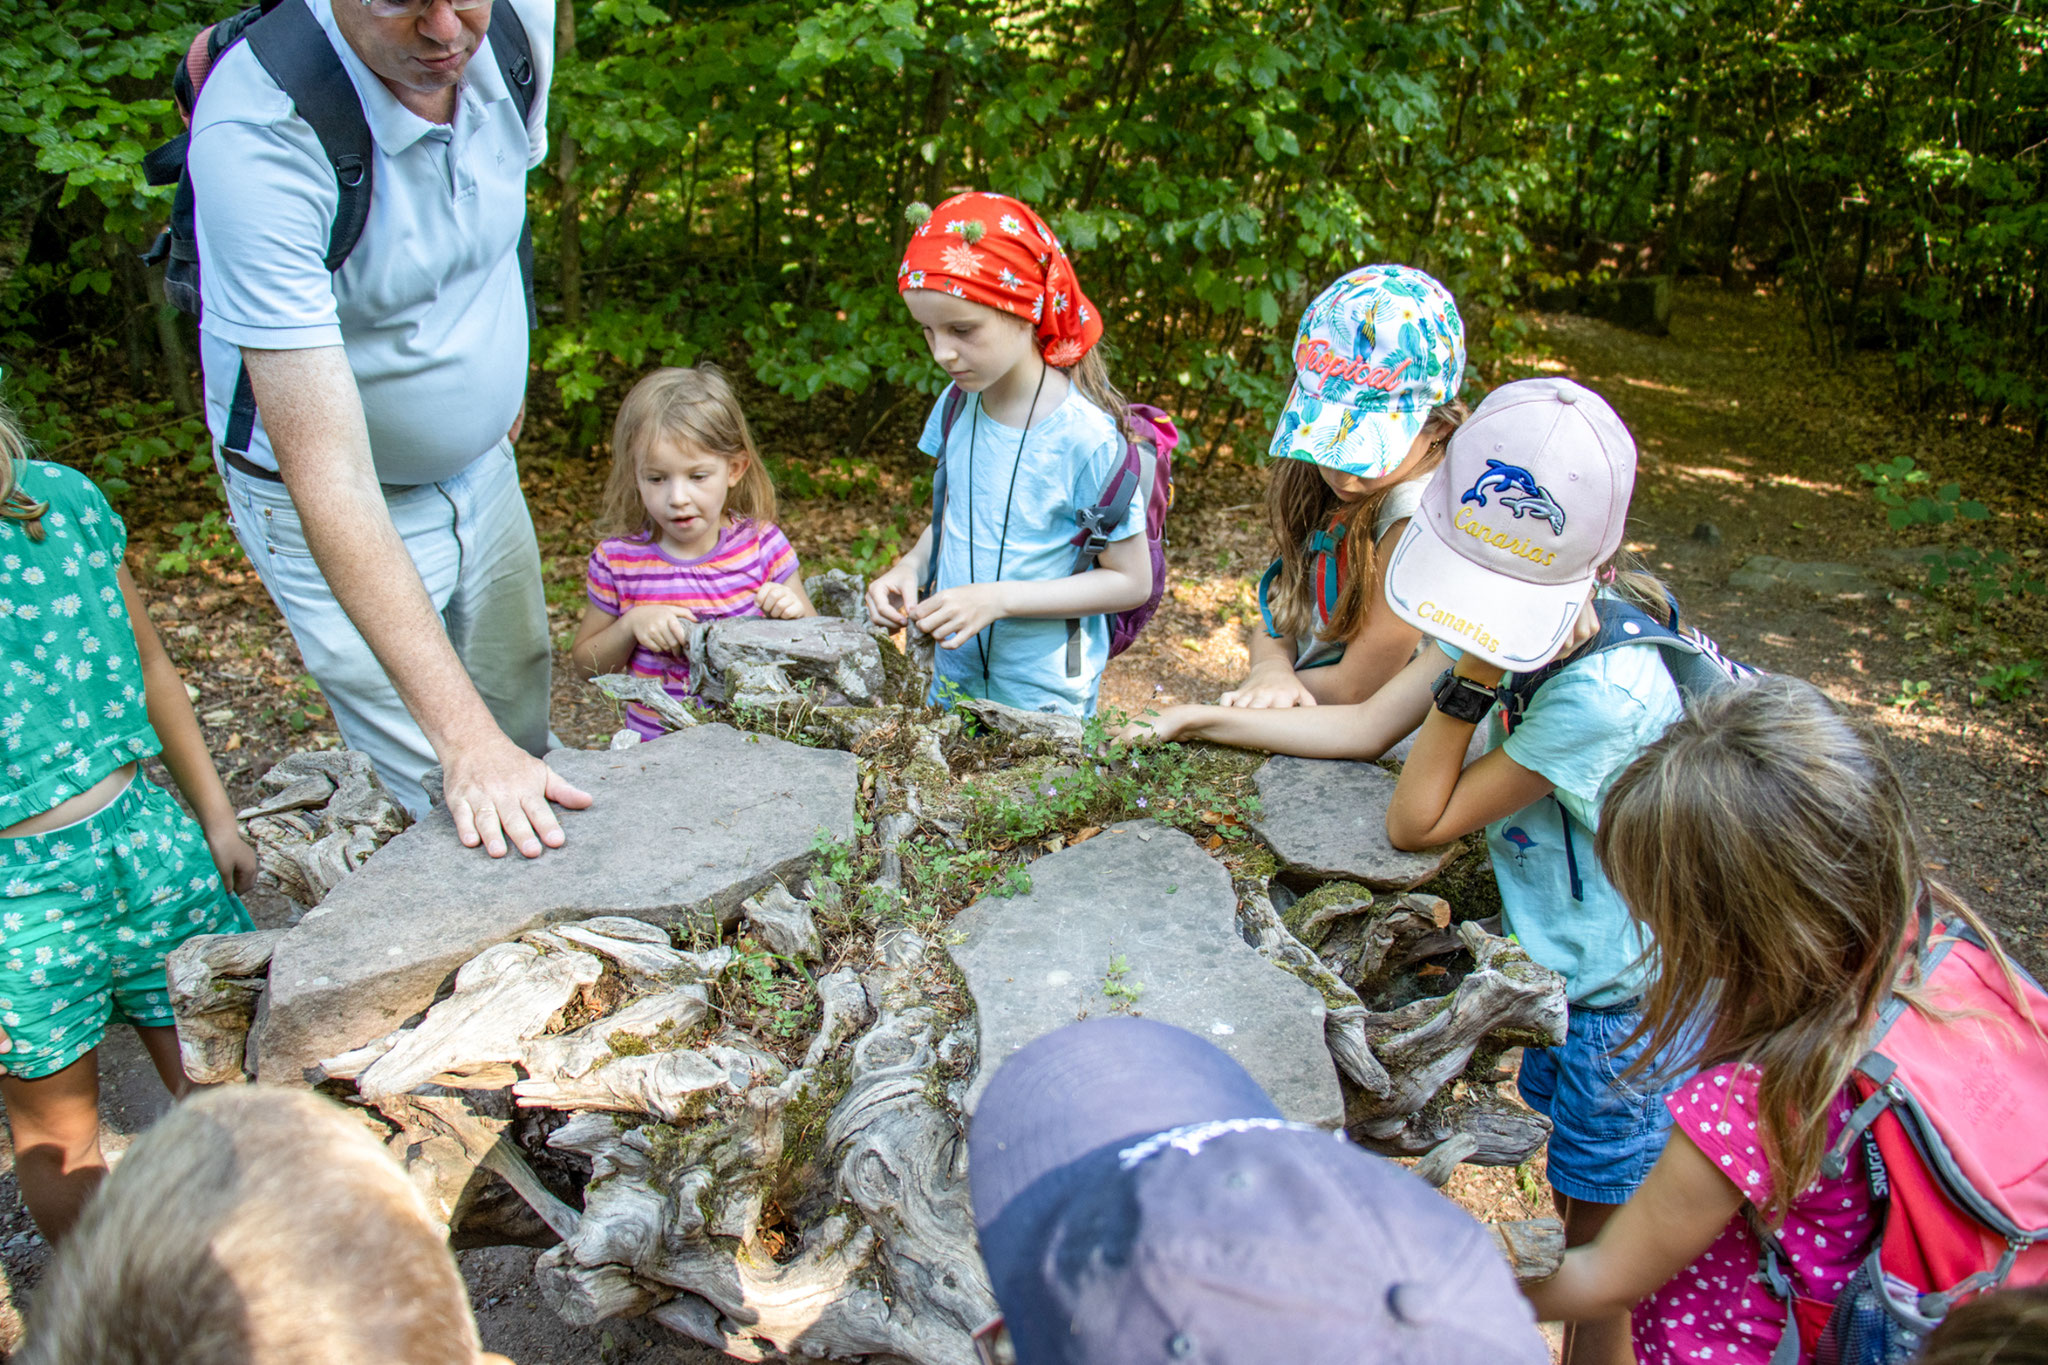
1297	915
1468	884
624	1044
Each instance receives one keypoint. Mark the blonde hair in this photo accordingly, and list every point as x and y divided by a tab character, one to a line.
694	406
1765	843
1090	374
16	505
254	1226
1299	504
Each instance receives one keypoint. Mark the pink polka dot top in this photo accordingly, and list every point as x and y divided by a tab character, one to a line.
1718	1309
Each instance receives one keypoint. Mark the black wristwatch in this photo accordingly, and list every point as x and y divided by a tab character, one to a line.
1461	698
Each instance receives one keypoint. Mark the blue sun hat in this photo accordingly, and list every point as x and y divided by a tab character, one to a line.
1375	352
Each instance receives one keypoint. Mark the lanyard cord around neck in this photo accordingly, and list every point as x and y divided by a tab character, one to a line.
1002	545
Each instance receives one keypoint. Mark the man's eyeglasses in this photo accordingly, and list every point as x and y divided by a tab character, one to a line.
413	9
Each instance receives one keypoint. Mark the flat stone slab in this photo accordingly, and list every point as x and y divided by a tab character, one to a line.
1328	818
1766	573
703	817
1149	896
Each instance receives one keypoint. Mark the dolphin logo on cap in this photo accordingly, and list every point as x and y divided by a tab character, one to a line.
1519	493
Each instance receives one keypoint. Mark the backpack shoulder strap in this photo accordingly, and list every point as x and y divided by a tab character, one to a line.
950	408
294	50
512	49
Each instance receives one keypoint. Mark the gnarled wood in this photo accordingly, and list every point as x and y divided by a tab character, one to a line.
214	982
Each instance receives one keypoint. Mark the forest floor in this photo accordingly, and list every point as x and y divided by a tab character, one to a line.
1748	448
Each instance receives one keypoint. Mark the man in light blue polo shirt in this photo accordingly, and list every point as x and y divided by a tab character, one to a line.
377	495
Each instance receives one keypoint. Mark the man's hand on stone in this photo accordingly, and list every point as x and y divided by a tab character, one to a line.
499	792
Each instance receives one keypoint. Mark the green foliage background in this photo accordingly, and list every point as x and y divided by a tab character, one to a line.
727	180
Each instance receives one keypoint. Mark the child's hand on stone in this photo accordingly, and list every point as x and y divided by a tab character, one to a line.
661	628
957	615
779	601
1153	727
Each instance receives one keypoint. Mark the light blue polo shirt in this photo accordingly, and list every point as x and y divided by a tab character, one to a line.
1065	461
1585	725
430	305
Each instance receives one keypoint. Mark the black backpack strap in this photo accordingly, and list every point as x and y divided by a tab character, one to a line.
950	409
513	51
294	50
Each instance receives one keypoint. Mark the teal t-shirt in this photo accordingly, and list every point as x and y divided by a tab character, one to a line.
71	693
1585	725
1057	470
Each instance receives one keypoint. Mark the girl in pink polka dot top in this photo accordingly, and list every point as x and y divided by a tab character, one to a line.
1765	844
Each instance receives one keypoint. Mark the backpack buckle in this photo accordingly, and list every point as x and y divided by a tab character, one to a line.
349	171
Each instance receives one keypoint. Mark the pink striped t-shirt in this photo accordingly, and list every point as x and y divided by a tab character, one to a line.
1718	1309
634	571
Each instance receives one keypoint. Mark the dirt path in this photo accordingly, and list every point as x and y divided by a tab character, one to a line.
1738	430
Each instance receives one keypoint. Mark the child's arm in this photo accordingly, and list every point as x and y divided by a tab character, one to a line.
1364	730
604	642
894	593
1676	1215
1438	798
184	747
1120	580
1381	649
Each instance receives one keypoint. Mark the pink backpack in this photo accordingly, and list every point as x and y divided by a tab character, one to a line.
1147	471
1952	1126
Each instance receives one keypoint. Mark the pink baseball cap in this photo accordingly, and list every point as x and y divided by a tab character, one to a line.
1530	501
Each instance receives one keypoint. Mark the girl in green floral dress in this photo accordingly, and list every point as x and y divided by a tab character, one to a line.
101	872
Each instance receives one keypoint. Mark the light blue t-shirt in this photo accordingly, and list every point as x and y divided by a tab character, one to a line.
1584	726
430	306
1065	462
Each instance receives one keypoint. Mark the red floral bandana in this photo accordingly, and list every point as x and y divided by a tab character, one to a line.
992	250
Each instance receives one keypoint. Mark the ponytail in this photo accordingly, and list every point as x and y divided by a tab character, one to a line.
16	505
1091	377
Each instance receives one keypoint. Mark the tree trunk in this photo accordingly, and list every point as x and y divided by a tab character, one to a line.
171	341
569	205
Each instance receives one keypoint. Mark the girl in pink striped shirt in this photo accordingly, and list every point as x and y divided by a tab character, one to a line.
697	541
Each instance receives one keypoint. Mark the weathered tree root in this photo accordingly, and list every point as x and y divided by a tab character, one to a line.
1404	1062
752	1206
327	815
215	982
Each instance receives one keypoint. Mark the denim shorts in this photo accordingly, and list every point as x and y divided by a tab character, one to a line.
88	912
1606	1132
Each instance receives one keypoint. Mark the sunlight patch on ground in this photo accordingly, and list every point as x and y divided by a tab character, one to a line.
1652	384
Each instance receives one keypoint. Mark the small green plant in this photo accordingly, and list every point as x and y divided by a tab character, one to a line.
1910	498
301	706
773	989
1118	986
1907	494
200	542
2011	682
1916	696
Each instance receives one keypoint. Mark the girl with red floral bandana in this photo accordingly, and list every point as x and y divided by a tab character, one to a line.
1040	431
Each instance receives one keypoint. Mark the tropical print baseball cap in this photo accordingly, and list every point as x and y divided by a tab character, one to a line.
1374	353
1530	501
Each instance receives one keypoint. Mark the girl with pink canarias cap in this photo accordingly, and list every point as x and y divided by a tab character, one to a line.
1509	564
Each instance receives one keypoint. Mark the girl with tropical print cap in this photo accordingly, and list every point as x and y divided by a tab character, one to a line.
1035	433
1379	359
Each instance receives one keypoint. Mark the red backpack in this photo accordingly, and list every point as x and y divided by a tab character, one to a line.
1147	471
1952	1127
